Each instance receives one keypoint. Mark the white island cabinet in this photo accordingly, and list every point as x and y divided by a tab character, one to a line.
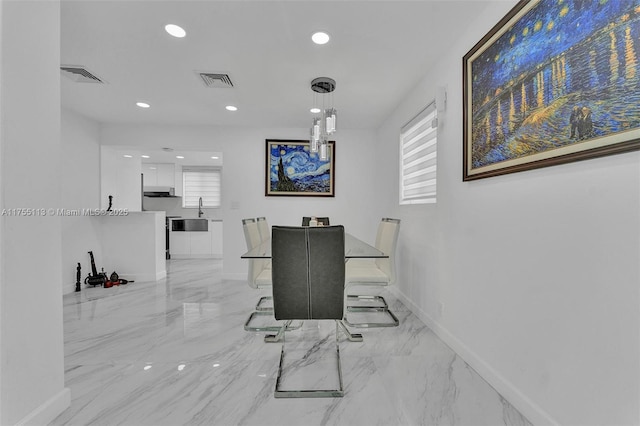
133	245
197	244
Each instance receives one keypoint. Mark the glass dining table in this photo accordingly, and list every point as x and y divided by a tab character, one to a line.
354	248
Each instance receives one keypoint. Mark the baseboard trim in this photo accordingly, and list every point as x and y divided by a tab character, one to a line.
48	411
144	277
505	388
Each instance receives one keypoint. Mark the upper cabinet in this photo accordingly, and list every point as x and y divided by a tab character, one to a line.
159	174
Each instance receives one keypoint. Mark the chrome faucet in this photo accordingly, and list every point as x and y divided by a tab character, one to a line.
200	212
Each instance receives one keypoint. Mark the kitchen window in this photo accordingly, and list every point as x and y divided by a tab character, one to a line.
418	157
201	182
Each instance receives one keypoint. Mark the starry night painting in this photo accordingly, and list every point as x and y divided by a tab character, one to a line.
292	169
554	81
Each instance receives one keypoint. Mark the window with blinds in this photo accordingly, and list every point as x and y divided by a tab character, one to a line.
418	158
201	182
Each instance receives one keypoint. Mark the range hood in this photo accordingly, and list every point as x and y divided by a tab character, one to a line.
159	191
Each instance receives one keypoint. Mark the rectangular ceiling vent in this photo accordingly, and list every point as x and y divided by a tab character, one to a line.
79	74
216	80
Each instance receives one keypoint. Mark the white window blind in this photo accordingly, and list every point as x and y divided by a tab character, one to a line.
418	158
201	182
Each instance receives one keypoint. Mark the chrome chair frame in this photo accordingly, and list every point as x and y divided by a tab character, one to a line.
317	294
383	307
308	393
252	238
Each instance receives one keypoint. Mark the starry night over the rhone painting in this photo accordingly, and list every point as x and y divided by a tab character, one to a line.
565	73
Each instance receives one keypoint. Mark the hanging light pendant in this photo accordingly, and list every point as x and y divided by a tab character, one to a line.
315	135
324	149
325	125
330	120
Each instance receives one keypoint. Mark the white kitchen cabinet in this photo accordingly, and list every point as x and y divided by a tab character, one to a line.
150	172
180	244
166	176
200	244
197	244
159	174
215	229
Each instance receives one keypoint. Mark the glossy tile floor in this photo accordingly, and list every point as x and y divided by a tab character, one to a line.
175	353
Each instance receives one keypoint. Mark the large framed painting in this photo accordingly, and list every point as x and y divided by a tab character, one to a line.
293	170
553	82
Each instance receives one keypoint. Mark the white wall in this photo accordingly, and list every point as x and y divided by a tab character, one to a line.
121	178
80	183
537	271
31	341
243	178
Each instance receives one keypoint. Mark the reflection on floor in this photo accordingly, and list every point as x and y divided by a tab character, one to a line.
175	352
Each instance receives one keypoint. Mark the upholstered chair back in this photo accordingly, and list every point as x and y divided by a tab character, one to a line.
308	272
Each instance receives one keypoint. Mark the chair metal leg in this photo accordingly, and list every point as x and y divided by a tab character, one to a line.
309	393
273	338
360	297
275	327
260	305
383	308
394	320
352	337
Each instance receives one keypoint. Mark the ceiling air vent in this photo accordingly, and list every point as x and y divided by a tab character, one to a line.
216	80
79	74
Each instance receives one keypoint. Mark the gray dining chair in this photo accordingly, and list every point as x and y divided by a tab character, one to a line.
308	284
374	273
321	220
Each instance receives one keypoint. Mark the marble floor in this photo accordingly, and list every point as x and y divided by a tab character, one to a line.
175	353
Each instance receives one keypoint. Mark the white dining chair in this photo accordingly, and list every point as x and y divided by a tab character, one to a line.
258	277
374	272
265	234
263	228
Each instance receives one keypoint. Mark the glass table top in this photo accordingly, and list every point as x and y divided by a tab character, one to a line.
353	248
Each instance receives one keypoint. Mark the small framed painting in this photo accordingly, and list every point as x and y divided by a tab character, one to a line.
293	170
553	82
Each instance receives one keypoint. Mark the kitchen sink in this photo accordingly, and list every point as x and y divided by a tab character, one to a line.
190	225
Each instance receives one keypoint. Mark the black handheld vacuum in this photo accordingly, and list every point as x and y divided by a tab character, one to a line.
95	278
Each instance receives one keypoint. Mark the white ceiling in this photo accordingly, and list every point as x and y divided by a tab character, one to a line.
378	52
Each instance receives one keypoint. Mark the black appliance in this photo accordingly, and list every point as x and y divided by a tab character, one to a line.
167	224
159	192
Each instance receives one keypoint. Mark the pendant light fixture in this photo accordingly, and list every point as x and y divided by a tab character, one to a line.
325	125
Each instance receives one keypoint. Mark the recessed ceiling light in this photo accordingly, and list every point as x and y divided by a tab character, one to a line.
145	156
179	156
127	156
214	158
315	110
143	104
231	108
320	38
175	30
